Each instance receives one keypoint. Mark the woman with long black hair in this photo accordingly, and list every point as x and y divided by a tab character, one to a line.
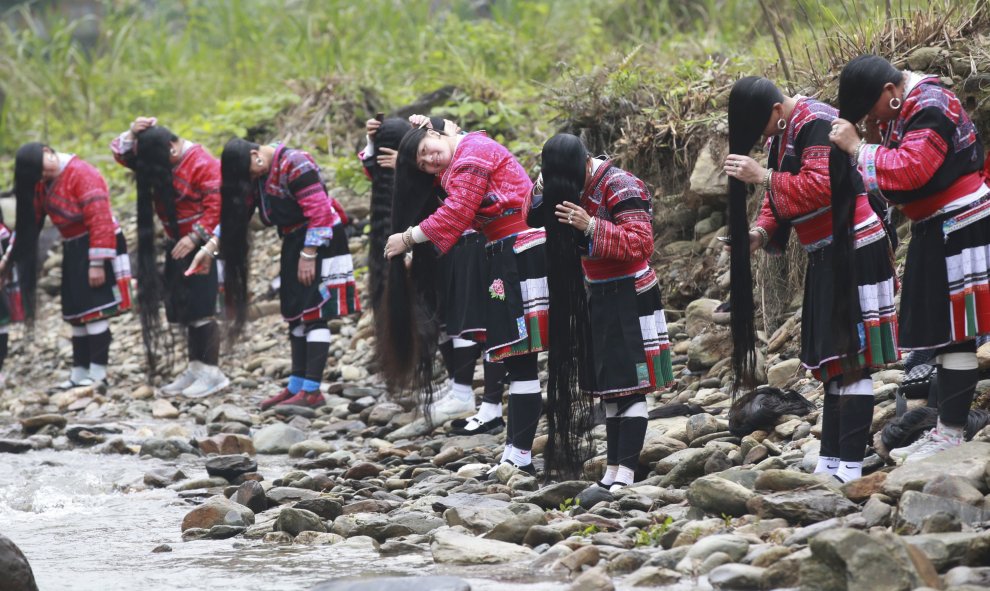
461	296
96	272
796	195
180	181
487	190
316	273
606	314
922	153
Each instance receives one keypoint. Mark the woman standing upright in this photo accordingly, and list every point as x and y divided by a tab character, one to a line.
796	195
316	273
487	190
922	153
96	272
606	312
180	181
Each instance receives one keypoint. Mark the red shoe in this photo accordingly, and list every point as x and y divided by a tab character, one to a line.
312	399
276	399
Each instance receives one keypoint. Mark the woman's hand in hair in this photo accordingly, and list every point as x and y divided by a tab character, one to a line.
420	121
572	215
395	246
386	157
744	168
183	247
307	270
450	128
844	135
142	123
97	276
371	126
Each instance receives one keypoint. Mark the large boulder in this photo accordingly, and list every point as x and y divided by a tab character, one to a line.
15	572
708	184
714	494
968	461
850	560
295	521
277	438
802	506
218	510
452	547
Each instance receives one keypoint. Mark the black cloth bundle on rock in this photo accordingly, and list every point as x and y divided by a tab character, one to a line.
760	409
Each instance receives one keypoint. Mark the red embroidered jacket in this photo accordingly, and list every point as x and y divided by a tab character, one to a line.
78	202
293	194
484	183
929	147
196	179
622	243
800	194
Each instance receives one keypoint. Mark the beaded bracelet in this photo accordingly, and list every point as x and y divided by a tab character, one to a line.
306	255
855	154
407	238
764	237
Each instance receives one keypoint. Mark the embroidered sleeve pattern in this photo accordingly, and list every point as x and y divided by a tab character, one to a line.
808	190
465	184
920	146
629	236
91	193
206	181
307	188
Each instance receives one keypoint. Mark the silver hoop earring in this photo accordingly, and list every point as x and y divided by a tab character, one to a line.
895	103
259	162
781	124
172	152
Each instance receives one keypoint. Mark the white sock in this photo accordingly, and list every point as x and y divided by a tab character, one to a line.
78	374
625	475
97	372
609	477
946	430
827	465
521	457
849	471
462	392
506	453
489	411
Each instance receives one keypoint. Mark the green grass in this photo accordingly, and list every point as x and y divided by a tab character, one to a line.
212	69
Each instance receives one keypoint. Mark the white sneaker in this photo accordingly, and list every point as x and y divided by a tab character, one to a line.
450	407
934	444
210	381
898	454
184	379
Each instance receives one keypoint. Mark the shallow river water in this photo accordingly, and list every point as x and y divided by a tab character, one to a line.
84	525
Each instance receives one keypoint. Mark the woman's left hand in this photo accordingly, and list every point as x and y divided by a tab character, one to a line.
386	157
744	168
573	215
844	135
183	247
307	270
395	246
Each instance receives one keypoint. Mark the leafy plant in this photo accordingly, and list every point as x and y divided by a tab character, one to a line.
653	534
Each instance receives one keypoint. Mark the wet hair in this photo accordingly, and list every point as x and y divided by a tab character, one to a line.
910	426
236	207
409	330
571	362
860	85
751	102
28	169
389	135
153	176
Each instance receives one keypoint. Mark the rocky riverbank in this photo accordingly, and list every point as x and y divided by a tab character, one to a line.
710	509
